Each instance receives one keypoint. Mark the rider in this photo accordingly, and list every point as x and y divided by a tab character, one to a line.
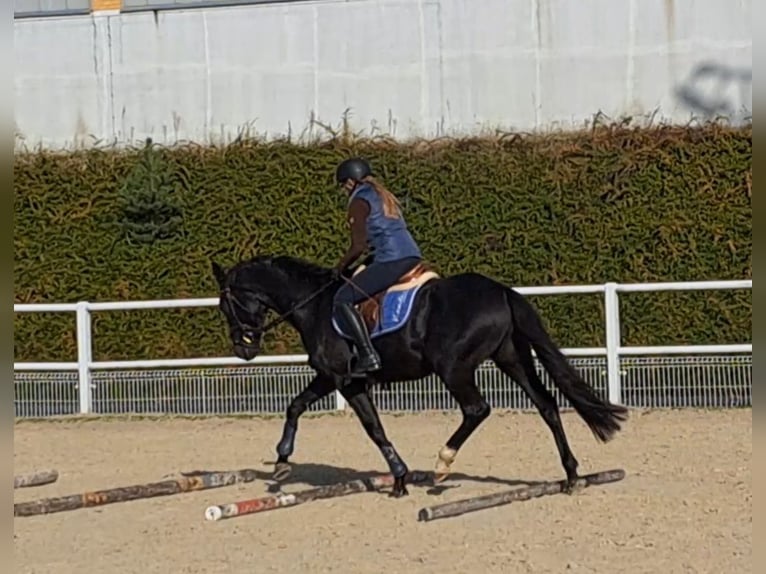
375	219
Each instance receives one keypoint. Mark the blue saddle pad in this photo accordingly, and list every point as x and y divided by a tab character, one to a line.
396	308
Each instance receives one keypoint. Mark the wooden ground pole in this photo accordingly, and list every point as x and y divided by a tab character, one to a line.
282	500
126	493
458	507
37	478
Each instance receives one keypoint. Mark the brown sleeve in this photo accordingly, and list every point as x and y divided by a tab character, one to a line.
358	211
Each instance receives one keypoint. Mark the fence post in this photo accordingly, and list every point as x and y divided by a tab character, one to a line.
340	402
613	341
84	357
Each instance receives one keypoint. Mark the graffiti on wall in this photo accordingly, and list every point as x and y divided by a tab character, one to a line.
718	90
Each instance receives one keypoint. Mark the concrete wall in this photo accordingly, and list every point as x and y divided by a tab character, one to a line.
26	8
403	67
49	6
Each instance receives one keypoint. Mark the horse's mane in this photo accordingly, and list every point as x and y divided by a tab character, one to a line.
298	267
295	267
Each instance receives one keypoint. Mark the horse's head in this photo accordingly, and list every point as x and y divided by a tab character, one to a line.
245	310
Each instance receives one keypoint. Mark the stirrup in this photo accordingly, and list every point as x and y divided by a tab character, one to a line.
364	364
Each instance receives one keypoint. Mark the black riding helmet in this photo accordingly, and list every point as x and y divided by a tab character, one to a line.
354	168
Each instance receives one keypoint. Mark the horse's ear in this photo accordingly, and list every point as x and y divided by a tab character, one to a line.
219	273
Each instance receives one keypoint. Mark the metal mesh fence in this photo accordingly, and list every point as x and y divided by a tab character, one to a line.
647	382
702	381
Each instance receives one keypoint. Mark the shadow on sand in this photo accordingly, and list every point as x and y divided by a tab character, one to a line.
315	475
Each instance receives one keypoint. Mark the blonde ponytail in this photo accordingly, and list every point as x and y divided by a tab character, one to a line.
391	206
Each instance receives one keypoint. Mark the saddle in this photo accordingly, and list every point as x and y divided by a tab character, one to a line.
369	309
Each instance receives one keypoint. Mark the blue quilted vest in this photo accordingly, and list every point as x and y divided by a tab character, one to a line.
388	238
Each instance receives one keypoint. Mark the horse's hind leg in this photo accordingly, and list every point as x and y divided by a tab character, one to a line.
515	360
356	395
461	383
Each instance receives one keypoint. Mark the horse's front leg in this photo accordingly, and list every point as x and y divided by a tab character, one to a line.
356	395
320	387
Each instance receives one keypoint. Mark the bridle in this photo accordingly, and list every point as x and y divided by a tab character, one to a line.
250	335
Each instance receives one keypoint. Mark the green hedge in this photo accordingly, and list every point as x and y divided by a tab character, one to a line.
608	204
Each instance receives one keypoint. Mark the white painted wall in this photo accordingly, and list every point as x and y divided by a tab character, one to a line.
404	67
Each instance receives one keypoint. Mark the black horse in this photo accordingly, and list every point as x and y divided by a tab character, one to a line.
457	323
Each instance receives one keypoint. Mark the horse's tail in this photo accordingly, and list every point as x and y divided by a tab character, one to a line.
601	416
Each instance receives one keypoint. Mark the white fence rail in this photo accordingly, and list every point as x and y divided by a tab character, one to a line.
613	352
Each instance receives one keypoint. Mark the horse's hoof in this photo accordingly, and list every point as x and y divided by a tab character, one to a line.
574	486
399	489
399	492
440	477
444	462
282	470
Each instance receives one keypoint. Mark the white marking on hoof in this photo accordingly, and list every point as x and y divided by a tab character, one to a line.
577	487
444	463
282	470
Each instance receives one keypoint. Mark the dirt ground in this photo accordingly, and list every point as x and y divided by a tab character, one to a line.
684	506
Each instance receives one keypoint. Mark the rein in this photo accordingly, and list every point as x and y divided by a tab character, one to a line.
281	318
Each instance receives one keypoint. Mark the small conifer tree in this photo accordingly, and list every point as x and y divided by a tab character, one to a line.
149	202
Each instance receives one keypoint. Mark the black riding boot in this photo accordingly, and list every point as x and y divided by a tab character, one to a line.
368	359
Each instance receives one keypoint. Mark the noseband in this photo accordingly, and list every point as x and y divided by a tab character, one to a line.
248	333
